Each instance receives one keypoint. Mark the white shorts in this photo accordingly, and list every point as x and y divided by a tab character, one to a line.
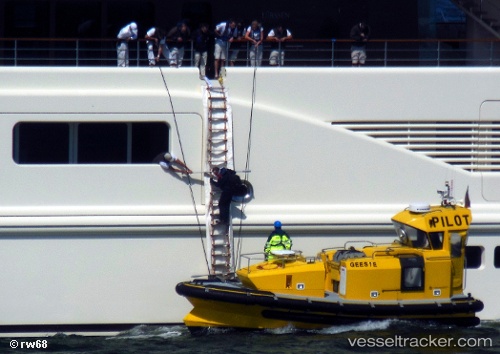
358	55
220	51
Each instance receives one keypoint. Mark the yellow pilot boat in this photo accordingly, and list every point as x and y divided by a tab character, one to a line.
417	277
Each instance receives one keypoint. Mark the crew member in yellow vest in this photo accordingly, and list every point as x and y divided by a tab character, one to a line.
277	240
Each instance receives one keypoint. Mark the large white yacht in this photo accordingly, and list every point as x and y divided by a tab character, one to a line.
94	236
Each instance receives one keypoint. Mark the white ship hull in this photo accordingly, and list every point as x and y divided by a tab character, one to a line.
97	247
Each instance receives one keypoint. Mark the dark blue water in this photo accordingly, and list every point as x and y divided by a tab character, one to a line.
368	337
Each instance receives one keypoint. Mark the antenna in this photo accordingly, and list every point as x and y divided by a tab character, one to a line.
447	198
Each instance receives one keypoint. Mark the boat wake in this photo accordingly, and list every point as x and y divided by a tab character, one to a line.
366	326
146	332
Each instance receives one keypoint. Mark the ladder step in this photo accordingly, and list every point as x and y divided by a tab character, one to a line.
217	151
220	242
221	262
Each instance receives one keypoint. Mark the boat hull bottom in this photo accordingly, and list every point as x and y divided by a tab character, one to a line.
231	307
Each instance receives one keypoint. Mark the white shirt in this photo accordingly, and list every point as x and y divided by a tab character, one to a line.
271	34
129	31
167	164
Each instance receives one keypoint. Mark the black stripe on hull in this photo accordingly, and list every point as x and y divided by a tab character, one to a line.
308	310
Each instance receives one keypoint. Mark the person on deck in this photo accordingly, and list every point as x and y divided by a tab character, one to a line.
166	161
360	34
126	34
179	38
201	39
225	33
277	240
255	35
156	37
278	36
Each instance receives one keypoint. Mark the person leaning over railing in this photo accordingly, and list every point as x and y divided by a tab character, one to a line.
225	33
127	33
255	35
156	37
179	37
277	36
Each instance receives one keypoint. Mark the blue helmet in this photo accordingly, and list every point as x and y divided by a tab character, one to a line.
277	224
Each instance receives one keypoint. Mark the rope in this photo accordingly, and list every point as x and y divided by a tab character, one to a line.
184	159
247	163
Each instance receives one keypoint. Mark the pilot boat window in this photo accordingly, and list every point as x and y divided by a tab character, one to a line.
89	142
456	245
412	273
436	240
411	236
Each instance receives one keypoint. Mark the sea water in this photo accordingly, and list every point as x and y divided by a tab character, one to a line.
389	336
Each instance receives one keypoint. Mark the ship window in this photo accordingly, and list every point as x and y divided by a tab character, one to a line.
497	257
89	143
102	143
41	143
473	257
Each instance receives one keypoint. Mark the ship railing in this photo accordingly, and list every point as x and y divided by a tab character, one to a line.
252	258
298	52
396	251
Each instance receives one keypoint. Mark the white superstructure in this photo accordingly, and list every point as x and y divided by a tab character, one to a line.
87	245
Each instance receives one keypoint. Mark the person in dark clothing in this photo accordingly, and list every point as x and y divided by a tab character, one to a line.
201	39
229	183
359	34
178	38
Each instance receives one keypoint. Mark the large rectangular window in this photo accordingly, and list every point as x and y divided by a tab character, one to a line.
473	257
46	143
496	260
89	143
102	143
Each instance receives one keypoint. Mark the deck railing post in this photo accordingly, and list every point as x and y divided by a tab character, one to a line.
438	53
192	54
491	53
15	52
138	52
385	53
333	52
